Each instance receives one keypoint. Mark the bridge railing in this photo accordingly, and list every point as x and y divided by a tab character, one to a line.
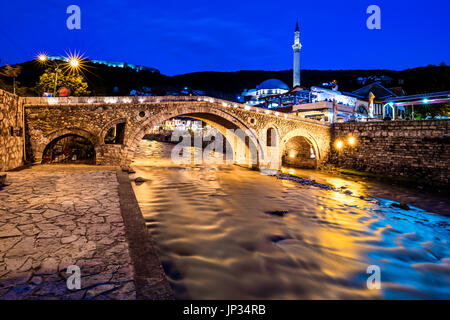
73	101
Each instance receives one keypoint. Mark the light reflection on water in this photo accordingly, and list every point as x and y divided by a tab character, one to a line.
216	241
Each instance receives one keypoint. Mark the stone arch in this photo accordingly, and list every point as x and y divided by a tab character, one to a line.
388	110
301	133
109	125
38	150
362	109
219	118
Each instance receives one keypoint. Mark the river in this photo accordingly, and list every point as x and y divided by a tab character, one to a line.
226	232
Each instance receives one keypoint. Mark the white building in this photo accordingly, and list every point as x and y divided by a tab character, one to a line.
180	124
267	88
297	46
321	94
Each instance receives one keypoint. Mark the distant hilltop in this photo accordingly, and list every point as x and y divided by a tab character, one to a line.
115	64
107	78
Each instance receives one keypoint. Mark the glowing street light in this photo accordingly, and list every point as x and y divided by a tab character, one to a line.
42	58
351	141
339	144
73	62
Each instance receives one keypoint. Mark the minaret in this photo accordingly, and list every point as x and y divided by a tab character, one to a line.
297	46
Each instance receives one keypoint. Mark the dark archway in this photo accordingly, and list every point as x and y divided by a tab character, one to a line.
69	148
299	153
271	137
116	134
363	110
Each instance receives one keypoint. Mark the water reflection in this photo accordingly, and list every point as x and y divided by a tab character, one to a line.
217	241
362	186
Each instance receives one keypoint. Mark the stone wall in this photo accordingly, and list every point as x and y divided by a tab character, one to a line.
418	150
11	131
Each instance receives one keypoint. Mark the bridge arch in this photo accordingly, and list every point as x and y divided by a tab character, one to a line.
111	124
217	118
299	148
39	148
114	125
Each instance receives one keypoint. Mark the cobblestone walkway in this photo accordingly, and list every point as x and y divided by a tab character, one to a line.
55	216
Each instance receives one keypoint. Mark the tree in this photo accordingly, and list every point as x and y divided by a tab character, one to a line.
11	72
440	109
75	82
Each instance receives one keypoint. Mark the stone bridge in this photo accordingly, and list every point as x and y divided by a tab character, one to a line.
297	140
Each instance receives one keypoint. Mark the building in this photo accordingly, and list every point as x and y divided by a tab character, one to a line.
297	46
172	92
180	124
113	64
256	97
324	103
331	106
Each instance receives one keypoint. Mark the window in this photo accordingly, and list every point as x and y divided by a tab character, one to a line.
271	137
116	134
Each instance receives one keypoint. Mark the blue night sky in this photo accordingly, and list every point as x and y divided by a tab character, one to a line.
187	36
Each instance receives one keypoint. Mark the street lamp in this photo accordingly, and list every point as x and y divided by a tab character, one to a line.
351	140
42	58
73	62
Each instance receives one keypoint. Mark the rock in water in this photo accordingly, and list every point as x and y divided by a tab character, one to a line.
2	179
140	180
401	205
279	213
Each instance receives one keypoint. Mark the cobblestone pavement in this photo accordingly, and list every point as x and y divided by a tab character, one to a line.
55	216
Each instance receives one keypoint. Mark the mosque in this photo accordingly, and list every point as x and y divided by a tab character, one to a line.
329	105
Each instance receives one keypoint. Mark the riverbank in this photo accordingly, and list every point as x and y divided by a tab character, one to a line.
54	216
409	182
360	184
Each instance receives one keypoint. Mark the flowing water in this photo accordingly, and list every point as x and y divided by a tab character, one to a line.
226	232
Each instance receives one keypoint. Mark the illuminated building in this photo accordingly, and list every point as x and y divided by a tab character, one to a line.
114	64
181	124
267	88
297	46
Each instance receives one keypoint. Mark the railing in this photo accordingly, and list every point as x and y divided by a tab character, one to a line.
72	101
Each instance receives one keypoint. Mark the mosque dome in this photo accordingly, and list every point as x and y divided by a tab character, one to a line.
273	84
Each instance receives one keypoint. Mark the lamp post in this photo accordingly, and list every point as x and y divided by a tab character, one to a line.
72	62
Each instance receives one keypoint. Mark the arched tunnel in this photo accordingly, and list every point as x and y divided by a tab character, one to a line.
299	153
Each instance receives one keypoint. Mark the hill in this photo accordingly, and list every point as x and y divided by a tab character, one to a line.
106	80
